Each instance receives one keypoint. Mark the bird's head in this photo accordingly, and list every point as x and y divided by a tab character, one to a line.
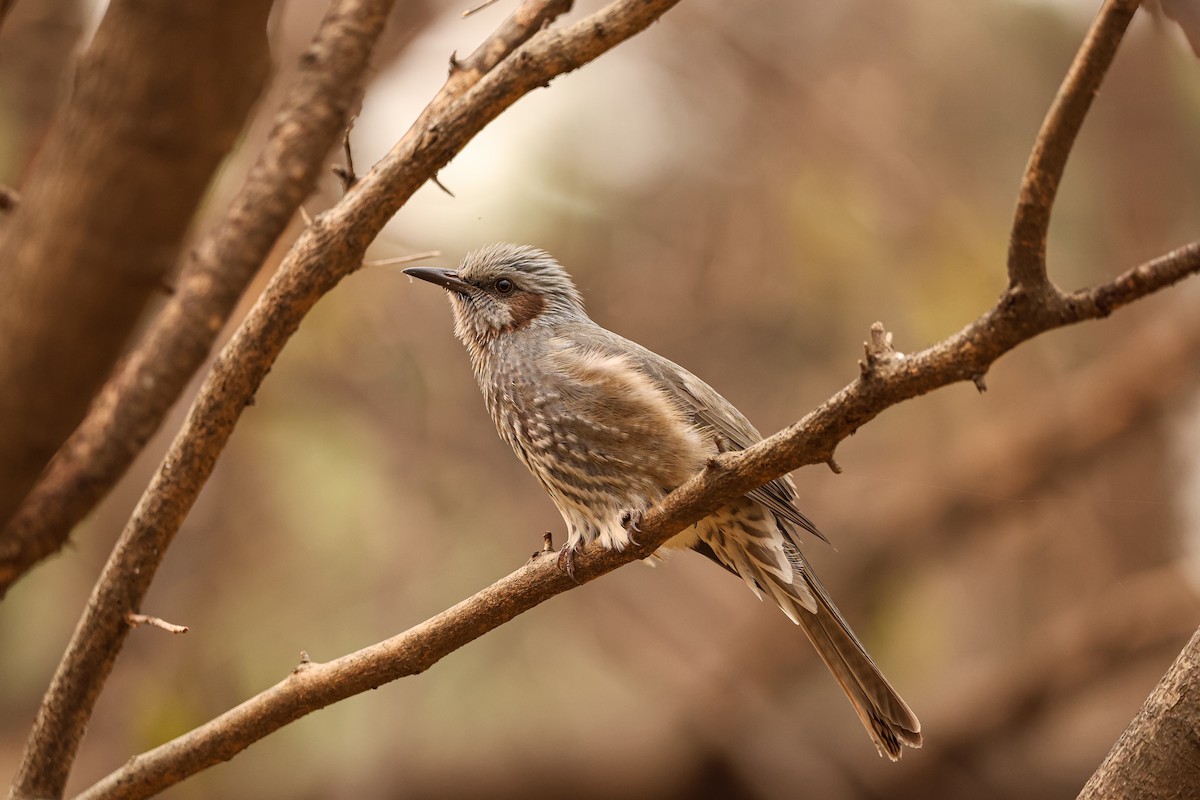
504	288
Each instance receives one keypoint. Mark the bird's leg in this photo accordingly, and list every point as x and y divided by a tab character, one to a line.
629	521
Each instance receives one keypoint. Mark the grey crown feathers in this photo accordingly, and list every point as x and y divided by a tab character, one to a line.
609	428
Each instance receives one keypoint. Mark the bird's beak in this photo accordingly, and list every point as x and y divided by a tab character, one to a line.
446	278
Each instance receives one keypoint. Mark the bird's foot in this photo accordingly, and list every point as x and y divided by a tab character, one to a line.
566	561
630	520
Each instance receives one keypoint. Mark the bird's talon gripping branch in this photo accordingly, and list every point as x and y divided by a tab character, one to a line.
566	561
630	520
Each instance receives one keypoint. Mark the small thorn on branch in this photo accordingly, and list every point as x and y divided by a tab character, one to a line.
547	547
137	620
878	348
833	465
979	382
441	186
346	173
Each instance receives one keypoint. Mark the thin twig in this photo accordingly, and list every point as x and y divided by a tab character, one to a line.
387	262
1043	174
529	18
136	620
478	8
346	173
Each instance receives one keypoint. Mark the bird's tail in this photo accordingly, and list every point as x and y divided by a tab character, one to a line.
887	718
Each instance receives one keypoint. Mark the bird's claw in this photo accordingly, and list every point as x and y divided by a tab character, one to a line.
630	521
566	561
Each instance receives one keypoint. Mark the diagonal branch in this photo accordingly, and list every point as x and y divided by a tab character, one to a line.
331	248
1043	173
1169	718
135	400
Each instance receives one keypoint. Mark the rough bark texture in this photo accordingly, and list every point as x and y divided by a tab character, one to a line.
1158	755
159	98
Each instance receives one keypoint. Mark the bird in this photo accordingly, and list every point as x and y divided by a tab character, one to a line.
609	428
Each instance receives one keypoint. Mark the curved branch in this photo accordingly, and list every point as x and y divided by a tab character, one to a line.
331	248
1043	174
133	403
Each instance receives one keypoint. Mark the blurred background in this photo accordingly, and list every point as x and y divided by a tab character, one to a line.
744	188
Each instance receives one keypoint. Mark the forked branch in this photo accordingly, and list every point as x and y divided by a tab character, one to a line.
1047	162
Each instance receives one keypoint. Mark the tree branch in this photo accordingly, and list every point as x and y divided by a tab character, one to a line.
160	96
1058	430
328	250
1170	719
1039	186
135	400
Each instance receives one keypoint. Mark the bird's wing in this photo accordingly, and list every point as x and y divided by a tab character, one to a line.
709	410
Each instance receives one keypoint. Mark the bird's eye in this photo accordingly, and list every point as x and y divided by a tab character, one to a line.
505	286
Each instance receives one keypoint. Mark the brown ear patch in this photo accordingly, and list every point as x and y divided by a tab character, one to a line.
525	308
